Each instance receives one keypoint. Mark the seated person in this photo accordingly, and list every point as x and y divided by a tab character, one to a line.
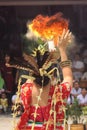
3	102
76	90
82	98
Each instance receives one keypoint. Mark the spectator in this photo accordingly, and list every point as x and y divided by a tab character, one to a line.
7	73
82	98
3	102
76	90
77	67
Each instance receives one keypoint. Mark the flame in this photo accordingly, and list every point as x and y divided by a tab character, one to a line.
49	28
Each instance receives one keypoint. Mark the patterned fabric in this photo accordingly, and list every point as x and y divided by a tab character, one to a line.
43	112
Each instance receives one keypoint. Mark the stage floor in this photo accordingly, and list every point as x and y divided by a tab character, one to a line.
7	122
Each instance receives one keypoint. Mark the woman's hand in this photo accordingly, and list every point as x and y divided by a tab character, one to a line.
64	40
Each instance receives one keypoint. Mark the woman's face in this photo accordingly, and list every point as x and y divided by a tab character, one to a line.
7	58
84	91
76	85
3	96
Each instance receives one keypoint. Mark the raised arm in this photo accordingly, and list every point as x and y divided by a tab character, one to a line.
65	62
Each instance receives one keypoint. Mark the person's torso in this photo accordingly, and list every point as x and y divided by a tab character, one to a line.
82	99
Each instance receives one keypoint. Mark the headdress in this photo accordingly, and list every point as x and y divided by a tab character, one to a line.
47	28
40	65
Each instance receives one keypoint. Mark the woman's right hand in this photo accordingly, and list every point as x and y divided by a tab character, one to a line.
64	40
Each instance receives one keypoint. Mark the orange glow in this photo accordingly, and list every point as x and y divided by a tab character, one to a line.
49	28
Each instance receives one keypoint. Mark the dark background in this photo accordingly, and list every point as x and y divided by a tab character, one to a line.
13	21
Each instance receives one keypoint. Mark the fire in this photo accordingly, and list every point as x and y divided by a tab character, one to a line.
49	28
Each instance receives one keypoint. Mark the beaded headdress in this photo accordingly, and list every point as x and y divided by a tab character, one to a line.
45	55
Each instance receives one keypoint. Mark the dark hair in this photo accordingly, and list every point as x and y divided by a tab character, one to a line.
7	53
84	88
39	79
76	81
3	93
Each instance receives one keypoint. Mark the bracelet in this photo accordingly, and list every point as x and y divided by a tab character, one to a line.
66	63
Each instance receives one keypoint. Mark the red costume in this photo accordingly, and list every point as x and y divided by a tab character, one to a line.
43	112
42	66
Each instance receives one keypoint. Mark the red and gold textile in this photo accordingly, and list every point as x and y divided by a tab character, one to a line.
43	112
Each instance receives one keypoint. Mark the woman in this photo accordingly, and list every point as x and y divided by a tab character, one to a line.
44	104
7	73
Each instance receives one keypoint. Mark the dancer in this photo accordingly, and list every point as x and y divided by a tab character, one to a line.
44	103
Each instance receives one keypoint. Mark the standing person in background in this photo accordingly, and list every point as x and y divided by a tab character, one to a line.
7	73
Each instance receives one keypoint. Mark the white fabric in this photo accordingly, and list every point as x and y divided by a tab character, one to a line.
74	91
81	99
14	98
